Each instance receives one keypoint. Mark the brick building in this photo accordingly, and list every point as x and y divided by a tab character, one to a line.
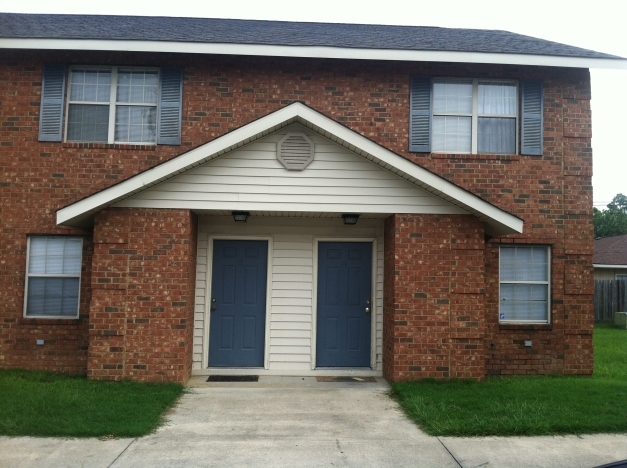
223	196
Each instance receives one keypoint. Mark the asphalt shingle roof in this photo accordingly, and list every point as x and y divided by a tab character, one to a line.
610	250
281	33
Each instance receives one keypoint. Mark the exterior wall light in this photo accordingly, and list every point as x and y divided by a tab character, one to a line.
240	216
350	218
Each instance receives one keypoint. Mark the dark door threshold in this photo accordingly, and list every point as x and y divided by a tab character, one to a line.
346	379
233	378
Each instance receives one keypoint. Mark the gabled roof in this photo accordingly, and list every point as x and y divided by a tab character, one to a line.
498	222
610	251
295	39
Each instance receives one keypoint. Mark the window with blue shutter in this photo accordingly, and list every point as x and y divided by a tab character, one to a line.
532	117
169	121
126	105
420	114
475	116
52	98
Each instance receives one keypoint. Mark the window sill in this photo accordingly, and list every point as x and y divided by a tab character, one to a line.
73	321
525	326
477	157
118	146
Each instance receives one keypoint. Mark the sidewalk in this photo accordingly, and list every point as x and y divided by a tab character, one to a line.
296	422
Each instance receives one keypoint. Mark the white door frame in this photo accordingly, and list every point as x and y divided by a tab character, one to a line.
373	294
209	279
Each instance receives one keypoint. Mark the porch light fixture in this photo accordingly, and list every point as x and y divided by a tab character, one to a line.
350	218
240	216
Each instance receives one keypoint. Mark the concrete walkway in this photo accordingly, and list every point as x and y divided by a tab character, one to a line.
296	422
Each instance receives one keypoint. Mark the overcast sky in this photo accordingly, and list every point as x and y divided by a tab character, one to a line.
597	25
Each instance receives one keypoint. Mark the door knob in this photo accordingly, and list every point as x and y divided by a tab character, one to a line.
213	307
367	309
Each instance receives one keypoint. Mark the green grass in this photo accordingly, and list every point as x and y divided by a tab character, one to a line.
36	403
532	405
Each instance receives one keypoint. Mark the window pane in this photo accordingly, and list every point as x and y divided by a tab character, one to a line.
137	87
497	98
522	302
496	135
136	124
90	85
55	255
452	96
88	123
52	296
452	134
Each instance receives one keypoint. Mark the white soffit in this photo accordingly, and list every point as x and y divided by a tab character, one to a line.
498	222
312	52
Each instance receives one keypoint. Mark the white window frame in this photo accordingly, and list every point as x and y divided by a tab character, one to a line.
55	275
475	111
112	101
547	283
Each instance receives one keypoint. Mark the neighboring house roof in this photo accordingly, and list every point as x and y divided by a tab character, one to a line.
282	38
610	251
498	222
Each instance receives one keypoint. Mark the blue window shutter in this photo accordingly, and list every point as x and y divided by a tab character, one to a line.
170	105
52	97
420	114
532	117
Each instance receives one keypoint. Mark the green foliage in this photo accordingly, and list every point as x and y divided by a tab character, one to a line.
532	405
613	221
51	405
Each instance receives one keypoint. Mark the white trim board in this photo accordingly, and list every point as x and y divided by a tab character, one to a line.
312	52
616	267
498	222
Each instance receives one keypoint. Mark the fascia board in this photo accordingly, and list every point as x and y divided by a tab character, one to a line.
426	180
313	52
615	267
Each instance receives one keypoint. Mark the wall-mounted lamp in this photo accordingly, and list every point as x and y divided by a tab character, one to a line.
240	216
350	218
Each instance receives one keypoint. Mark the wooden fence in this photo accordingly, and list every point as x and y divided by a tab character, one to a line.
610	296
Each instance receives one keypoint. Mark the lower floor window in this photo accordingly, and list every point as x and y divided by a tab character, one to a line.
524	283
53	276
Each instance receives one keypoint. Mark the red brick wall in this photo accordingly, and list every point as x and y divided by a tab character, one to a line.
433	300
551	193
143	283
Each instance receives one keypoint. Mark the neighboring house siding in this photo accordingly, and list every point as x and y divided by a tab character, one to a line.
551	193
291	283
608	273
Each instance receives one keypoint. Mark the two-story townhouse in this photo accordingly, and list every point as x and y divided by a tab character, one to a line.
186	195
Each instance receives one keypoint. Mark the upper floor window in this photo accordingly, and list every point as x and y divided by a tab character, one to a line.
112	105
466	115
127	105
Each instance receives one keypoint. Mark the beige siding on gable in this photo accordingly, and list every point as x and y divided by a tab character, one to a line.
291	315
251	178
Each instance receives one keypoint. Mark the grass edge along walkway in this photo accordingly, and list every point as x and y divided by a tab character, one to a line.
37	403
527	405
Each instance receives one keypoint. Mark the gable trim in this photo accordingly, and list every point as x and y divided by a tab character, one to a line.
498	221
313	52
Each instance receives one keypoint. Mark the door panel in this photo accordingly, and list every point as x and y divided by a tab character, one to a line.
238	303
344	293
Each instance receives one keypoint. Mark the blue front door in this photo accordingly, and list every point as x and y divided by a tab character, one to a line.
344	304
238	303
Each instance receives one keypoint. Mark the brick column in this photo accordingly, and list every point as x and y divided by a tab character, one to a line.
143	284
433	307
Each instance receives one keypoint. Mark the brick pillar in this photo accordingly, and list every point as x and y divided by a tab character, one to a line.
433	307
143	282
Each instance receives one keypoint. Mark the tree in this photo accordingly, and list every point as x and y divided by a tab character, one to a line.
613	221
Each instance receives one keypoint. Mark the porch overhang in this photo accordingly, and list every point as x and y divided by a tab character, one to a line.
497	221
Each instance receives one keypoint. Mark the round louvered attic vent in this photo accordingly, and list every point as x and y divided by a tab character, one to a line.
295	151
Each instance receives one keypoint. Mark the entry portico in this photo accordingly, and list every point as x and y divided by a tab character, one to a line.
423	257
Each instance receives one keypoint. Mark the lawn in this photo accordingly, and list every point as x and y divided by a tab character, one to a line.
44	404
531	405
